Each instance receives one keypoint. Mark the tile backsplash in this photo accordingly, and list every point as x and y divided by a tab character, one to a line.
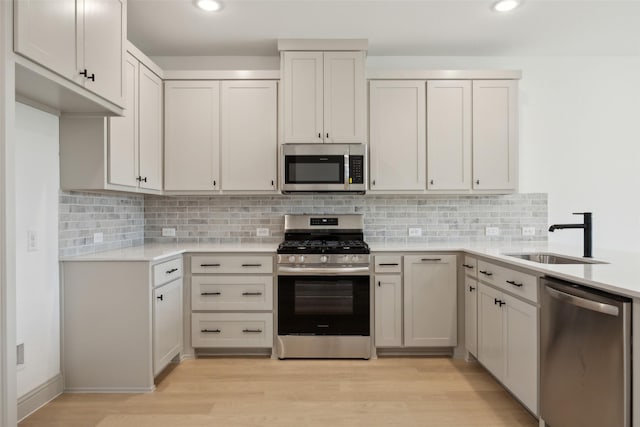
119	217
234	219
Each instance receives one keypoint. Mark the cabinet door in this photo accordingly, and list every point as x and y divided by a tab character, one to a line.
192	137
167	324
303	93
397	135
521	351
344	99
249	152
449	135
388	310
123	133
45	32
150	129
471	315
490	330
102	34
430	309
495	135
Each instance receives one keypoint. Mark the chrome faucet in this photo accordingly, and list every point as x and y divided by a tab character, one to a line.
586	226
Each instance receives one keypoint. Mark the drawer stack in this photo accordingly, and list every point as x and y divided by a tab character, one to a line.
232	301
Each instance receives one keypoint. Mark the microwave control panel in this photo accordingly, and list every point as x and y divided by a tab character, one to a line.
356	169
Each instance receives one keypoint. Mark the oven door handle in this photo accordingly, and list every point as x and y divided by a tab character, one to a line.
305	271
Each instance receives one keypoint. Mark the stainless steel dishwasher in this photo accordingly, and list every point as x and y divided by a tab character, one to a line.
585	356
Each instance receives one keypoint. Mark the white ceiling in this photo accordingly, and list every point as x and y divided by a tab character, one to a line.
393	27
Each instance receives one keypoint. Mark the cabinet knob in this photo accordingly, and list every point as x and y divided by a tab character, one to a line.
327	135
84	73
379	285
92	77
144	179
272	182
477	181
319	135
471	289
431	182
160	297
214	182
373	182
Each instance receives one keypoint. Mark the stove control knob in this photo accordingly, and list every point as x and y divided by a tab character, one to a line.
292	259
324	259
301	259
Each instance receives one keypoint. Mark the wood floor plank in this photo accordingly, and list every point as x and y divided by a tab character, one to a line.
425	392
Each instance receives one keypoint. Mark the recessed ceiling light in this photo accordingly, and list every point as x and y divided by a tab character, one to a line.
209	5
505	5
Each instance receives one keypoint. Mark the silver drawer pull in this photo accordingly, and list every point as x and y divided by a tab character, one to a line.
513	282
209	265
246	294
173	270
252	331
252	265
431	259
204	294
210	331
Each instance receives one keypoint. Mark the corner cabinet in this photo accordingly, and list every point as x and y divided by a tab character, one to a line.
122	323
117	153
81	40
495	135
323	97
430	300
220	136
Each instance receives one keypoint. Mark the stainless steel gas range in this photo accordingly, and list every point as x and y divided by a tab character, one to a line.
324	288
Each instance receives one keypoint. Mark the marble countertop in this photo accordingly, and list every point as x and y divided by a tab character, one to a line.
619	272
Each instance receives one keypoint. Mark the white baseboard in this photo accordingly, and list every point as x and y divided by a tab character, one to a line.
40	396
107	390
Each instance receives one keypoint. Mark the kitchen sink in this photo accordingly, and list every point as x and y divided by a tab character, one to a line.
549	258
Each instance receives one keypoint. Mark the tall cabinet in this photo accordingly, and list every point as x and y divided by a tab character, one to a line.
323	97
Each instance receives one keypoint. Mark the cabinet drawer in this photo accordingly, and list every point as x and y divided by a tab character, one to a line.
470	266
167	271
231	330
218	292
516	282
388	264
232	264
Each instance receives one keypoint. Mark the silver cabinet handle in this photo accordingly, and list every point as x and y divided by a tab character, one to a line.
600	307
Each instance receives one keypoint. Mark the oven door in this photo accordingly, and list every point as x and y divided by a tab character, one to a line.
323	305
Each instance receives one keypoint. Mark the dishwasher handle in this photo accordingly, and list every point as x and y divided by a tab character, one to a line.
588	304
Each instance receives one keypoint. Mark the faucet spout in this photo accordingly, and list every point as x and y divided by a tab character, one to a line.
586	226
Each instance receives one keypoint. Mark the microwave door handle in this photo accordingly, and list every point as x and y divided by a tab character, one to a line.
346	171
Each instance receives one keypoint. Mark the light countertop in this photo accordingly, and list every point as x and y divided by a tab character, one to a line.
619	274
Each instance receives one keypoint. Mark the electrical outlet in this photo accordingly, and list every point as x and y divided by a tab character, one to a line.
491	231
168	232
415	232
98	237
528	231
20	354
262	232
32	240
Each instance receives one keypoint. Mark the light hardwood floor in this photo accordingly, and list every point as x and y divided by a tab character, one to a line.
263	392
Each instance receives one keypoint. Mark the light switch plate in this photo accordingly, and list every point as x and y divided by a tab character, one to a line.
528	231
168	232
492	231
262	232
98	237
415	232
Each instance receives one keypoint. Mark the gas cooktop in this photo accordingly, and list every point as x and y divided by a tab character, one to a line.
323	247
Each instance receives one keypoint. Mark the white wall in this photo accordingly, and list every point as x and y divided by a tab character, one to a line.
37	282
579	137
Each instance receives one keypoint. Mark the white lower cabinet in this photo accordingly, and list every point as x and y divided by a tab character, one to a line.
167	324
388	310
471	315
507	342
122	323
231	301
430	300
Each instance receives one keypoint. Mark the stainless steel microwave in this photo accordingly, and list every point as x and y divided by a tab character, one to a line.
318	168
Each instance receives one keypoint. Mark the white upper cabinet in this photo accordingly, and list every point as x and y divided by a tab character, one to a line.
495	135
101	46
449	135
150	129
192	135
123	133
82	40
397	135
324	97
249	139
